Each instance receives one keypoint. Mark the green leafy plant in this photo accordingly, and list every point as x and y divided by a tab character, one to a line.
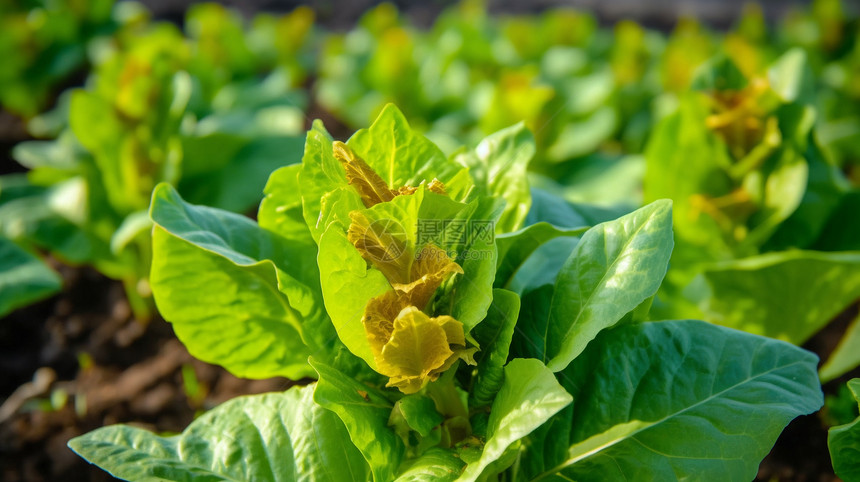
378	267
472	74
197	111
43	44
760	211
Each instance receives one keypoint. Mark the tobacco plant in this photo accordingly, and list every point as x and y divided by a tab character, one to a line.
43	43
160	106
764	241
379	269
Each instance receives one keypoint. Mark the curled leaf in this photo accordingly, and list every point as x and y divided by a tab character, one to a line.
362	177
378	320
372	188
383	243
434	186
429	269
418	347
437	187
410	347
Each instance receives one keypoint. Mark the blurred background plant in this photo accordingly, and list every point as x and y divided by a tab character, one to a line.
213	111
43	43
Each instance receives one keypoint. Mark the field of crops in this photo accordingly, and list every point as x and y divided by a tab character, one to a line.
501	247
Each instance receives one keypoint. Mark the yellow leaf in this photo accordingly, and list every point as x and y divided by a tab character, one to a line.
437	187
417	347
406	190
362	177
434	186
372	188
430	268
383	243
378	320
412	348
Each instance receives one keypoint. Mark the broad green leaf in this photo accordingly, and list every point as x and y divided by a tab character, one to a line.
71	219
822	191
60	154
95	124
582	137
669	173
238	185
24	278
844	442
545	447
530	395
542	267
274	437
435	465
420	413
679	400
320	173
599	180
236	294
281	210
494	336
531	327
782	195
554	210
211	151
846	355
615	267
791	78
398	154
337	206
788	295
238	318
499	166
347	285
550	204
515	248
365	412
471	295
134	225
